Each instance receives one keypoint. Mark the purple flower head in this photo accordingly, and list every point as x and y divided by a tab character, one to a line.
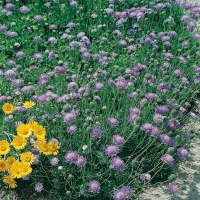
96	132
60	70
69	118
187	5
3	28
52	40
71	129
173	188
123	42
123	193
117	139
111	150
161	110
168	55
86	55
73	3
94	187
191	26
131	118
71	157
9	6
38	18
99	86
39	187
158	118
196	36
117	164
177	72
144	177
112	121
71	25
9	74
20	54
38	56
185	18
165	139
121	83
159	6
81	161
182	153
173	124
54	161
151	96
26	178
133	95
41	98
24	9
17	82
11	34
168	159
52	27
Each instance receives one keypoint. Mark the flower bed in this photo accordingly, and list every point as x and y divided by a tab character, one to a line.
93	96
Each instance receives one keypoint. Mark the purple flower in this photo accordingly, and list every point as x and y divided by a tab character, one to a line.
24	9
69	118
158	118
168	55
144	177
81	161
117	139
111	150
112	121
38	18
38	187
122	193
182	153
60	70
165	139
38	56
191	26
20	54
177	72
9	6
54	161
161	110
151	96
71	129
9	74
71	157
123	42
94	187
52	40
52	27
159	6
73	3
168	159
41	98
117	164
96	132
121	83
99	86
173	124
173	188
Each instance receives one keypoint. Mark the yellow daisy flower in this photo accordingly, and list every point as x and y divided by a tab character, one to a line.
44	148
3	165
4	147
8	108
24	130
53	147
15	170
25	168
10	160
27	157
8	179
39	131
19	142
28	104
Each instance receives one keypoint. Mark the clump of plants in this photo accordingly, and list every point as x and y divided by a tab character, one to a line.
94	95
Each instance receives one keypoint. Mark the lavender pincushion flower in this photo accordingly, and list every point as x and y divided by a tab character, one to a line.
71	157
24	9
54	161
117	164
71	129
94	187
39	187
173	188
173	124
117	139
96	132
112	121
165	139
123	193
144	177
69	118
111	150
182	153
168	159
81	161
